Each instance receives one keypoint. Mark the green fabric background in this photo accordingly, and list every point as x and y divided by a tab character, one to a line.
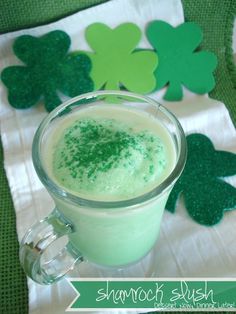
19	14
216	19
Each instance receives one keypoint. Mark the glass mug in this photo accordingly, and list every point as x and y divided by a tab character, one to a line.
112	234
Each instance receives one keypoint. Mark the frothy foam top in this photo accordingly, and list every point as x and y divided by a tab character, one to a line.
105	158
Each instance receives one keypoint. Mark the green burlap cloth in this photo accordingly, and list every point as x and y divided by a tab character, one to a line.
216	19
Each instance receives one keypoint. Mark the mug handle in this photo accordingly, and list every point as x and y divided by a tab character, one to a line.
37	240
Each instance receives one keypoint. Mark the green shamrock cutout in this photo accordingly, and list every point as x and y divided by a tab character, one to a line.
206	194
115	62
49	68
179	63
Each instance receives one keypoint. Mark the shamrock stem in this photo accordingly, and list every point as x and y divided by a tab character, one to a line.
173	197
174	91
51	99
112	85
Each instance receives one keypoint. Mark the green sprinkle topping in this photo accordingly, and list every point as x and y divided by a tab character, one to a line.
107	155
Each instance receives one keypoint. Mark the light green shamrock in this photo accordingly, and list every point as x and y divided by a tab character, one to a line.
115	62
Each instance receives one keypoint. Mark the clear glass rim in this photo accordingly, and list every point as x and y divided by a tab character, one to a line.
61	193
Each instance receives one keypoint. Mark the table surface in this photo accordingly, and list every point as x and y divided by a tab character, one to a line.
216	19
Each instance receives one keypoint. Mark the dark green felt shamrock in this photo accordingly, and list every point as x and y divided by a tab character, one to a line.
179	63
49	68
206	194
